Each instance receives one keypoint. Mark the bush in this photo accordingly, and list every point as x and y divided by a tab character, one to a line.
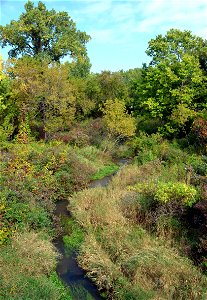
76	136
17	215
199	164
151	147
180	192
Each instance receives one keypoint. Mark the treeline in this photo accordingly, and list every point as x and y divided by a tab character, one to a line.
43	97
43	100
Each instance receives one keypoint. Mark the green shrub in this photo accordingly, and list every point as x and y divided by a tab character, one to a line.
198	163
151	147
157	199
17	215
170	191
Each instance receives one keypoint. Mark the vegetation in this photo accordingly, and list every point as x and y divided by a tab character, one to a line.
75	236
61	127
106	171
135	241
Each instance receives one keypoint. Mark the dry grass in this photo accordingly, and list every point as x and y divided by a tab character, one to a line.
131	174
122	257
28	254
98	265
90	207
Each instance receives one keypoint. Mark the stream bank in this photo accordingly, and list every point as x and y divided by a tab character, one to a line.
68	270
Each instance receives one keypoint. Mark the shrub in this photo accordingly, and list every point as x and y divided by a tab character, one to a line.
118	121
76	136
152	147
198	163
199	129
185	194
95	130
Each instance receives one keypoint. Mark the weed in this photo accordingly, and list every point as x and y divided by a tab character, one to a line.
74	237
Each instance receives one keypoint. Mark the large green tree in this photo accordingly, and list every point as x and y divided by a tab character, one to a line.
174	45
45	33
174	84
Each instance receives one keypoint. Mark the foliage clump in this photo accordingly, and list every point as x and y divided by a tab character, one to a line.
118	122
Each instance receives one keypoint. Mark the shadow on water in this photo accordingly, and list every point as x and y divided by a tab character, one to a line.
81	287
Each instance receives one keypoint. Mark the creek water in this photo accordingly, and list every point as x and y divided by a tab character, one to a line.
81	287
68	270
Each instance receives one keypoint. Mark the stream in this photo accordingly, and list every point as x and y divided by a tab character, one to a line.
68	270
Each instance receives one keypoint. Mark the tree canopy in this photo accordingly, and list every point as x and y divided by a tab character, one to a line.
39	31
174	45
174	84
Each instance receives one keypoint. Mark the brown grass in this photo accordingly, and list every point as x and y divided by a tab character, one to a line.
28	254
117	250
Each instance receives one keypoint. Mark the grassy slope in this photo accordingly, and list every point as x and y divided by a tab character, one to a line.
121	253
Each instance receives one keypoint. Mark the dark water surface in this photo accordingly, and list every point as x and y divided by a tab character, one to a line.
68	269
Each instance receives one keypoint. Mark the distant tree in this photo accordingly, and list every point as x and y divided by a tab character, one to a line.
79	68
84	105
106	85
119	123
45	33
44	95
113	85
133	80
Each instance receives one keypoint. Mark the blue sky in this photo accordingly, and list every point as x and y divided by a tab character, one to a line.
120	30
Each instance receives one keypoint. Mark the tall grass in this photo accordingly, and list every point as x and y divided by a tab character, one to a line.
25	266
119	254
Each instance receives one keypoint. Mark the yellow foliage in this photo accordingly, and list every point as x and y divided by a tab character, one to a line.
118	121
44	93
2	76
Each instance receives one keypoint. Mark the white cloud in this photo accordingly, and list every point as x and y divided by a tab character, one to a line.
93	8
117	21
189	14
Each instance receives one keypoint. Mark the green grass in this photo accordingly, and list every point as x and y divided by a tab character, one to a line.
64	292
26	264
79	292
105	171
75	236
